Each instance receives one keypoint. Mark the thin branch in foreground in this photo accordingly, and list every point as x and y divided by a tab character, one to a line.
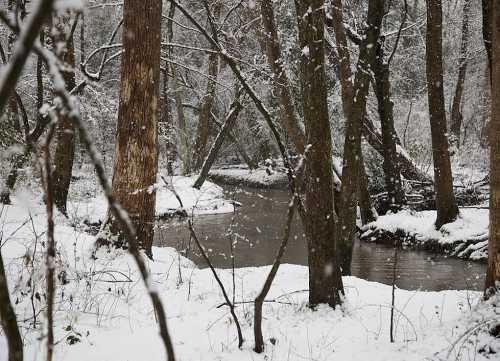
209	263
51	247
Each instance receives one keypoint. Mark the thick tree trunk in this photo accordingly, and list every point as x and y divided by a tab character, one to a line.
281	84
447	210
487	10
352	144
493	272
232	115
8	319
206	105
325	282
456	112
392	174
65	133
136	156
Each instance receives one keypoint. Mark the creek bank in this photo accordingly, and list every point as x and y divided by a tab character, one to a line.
466	238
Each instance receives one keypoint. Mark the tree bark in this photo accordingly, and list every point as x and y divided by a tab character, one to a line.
8	319
325	282
382	87
281	84
447	209
346	85
493	272
352	144
456	112
65	133
136	155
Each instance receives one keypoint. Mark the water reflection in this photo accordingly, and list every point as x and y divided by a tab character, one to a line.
255	230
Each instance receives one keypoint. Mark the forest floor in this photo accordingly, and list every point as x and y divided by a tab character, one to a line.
103	311
465	238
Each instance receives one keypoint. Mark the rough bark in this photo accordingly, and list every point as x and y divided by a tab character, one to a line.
346	85
65	133
8	319
289	119
493	271
456	112
447	210
136	156
352	144
226	128
382	87
487	11
325	282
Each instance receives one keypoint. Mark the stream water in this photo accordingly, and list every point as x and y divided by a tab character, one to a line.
256	230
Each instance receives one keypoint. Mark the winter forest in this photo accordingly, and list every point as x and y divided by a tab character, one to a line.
279	180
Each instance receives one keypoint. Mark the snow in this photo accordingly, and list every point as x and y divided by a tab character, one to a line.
470	229
261	177
103	308
207	200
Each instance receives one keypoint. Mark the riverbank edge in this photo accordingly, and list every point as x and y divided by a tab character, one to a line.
472	247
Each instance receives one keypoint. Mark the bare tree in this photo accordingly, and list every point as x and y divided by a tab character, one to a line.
325	282
352	144
456	111
207	102
447	209
8	319
136	155
65	133
289	119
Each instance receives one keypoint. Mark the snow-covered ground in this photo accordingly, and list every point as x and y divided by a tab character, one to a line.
103	312
261	177
84	205
467	237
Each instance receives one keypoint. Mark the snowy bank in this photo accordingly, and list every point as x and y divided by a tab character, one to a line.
103	312
207	200
466	238
261	177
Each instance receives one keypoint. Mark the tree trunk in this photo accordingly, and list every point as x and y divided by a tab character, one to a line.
179	108
487	10
493	272
392	174
325	282
206	104
281	84
456	112
8	319
136	155
345	77
447	210
65	133
352	144
232	115
367	211
166	126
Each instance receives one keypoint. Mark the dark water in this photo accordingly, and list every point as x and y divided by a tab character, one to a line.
256	230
